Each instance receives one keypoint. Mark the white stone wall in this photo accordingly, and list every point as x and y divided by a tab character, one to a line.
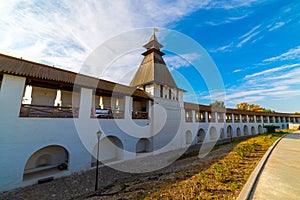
20	137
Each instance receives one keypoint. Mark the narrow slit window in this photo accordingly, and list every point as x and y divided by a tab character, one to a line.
1	77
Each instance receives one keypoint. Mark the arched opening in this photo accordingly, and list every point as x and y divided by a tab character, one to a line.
143	146
238	132
222	136
200	136
188	137
260	129
229	131
110	149
283	126
213	133
253	130
245	130
46	161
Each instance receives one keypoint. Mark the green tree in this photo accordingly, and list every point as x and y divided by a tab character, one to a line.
219	104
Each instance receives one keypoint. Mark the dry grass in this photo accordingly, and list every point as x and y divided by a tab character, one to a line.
219	176
225	178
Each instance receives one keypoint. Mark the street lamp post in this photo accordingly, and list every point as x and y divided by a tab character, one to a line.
97	165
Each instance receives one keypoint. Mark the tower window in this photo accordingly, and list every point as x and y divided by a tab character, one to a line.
1	77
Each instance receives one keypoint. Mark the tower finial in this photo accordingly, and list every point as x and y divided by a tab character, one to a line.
154	30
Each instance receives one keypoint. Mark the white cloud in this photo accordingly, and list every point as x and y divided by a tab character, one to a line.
237	70
184	60
240	41
291	74
272	70
226	20
232	4
246	94
64	33
276	26
238	17
291	78
246	39
284	93
292	54
119	70
275	84
225	48
250	32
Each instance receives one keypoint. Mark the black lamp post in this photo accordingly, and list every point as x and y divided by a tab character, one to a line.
97	165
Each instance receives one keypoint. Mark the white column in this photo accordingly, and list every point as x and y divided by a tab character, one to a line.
206	116
193	116
85	103
128	107
216	116
11	94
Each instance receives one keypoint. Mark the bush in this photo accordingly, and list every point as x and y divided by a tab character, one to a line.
220	172
271	128
234	186
245	150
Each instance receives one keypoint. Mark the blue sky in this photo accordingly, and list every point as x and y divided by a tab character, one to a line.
254	44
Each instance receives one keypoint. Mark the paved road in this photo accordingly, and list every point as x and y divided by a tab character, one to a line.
280	178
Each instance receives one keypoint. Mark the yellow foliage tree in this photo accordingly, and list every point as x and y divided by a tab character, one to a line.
242	106
252	107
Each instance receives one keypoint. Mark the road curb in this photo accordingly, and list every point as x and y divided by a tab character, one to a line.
250	186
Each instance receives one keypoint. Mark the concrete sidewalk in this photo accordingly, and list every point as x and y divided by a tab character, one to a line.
280	176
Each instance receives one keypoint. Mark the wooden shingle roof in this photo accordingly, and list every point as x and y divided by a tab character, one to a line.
199	107
19	67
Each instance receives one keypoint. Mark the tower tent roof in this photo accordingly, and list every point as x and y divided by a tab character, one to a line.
153	68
